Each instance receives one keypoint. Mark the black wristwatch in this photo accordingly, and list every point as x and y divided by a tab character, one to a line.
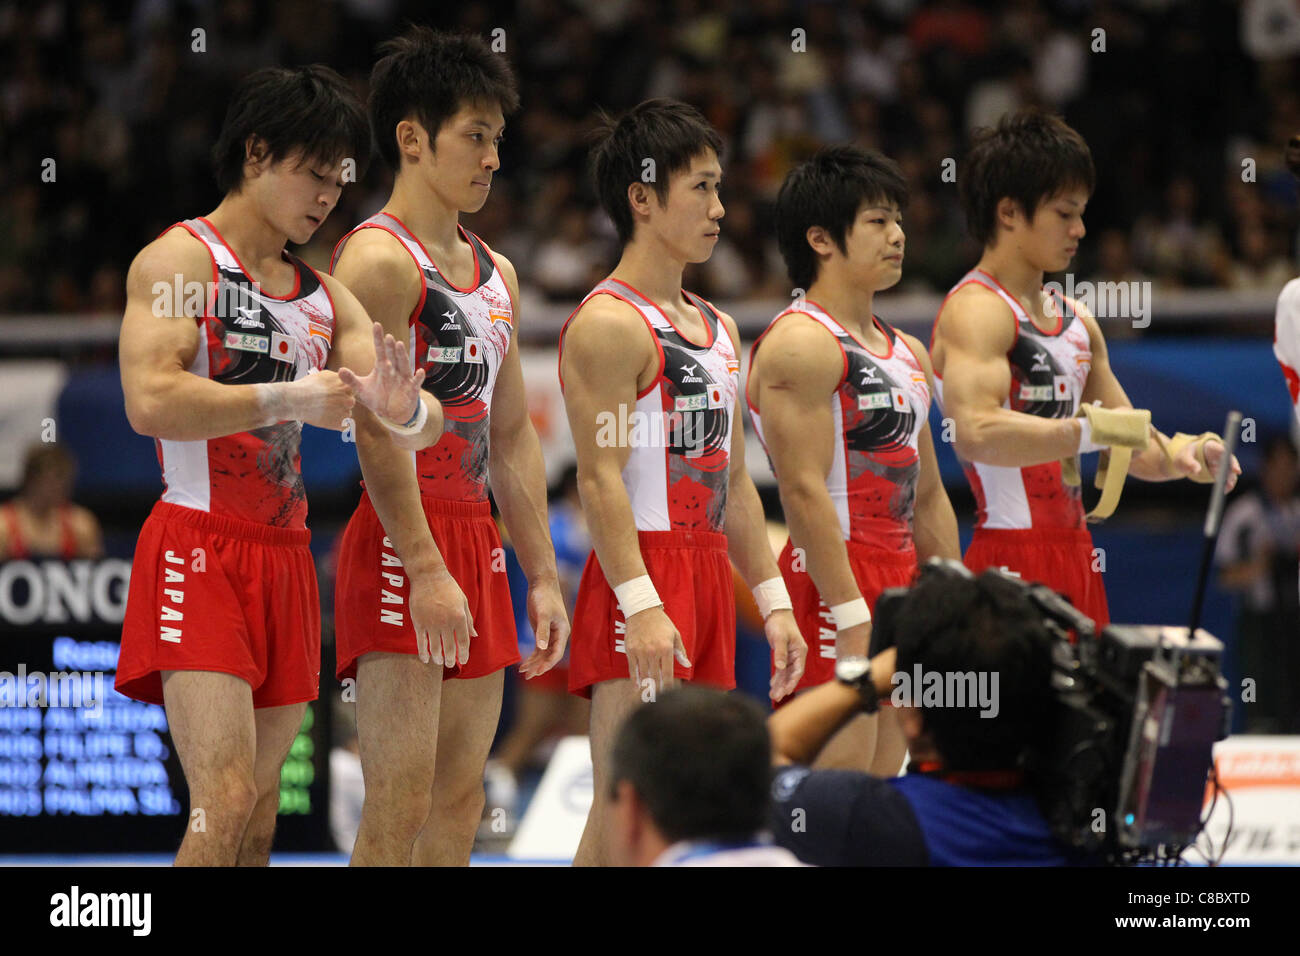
855	672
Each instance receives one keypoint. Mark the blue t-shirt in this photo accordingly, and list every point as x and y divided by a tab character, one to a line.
845	818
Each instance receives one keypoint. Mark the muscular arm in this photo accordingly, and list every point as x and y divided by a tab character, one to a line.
376	279
158	342
607	353
801	728
600	384
973	336
796	372
934	527
518	472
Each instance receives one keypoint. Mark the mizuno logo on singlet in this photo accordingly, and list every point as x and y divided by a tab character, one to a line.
688	374
248	318
870	376
1040	363
451	322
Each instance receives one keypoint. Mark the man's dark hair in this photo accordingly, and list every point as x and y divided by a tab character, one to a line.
305	110
701	762
1030	156
828	191
667	131
951	625
429	76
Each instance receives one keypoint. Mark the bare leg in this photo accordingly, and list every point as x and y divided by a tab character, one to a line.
467	723
397	733
276	729
611	701
211	720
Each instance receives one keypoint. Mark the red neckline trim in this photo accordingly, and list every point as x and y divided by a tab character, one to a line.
713	335
284	254
874	321
1060	319
446	278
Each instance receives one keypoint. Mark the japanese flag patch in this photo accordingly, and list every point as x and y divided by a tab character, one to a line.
283	347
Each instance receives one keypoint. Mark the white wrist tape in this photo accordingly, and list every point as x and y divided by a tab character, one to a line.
273	401
637	595
771	595
416	423
1086	444
850	614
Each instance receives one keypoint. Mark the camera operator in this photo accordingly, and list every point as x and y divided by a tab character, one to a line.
964	800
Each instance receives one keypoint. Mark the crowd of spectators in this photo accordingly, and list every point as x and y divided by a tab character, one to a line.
1185	103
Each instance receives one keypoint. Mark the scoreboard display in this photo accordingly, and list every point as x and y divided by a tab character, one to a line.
84	769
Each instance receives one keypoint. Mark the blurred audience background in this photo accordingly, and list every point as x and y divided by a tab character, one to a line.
1185	105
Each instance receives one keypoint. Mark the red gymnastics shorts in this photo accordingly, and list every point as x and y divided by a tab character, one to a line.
874	569
214	593
1061	558
372	590
692	573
